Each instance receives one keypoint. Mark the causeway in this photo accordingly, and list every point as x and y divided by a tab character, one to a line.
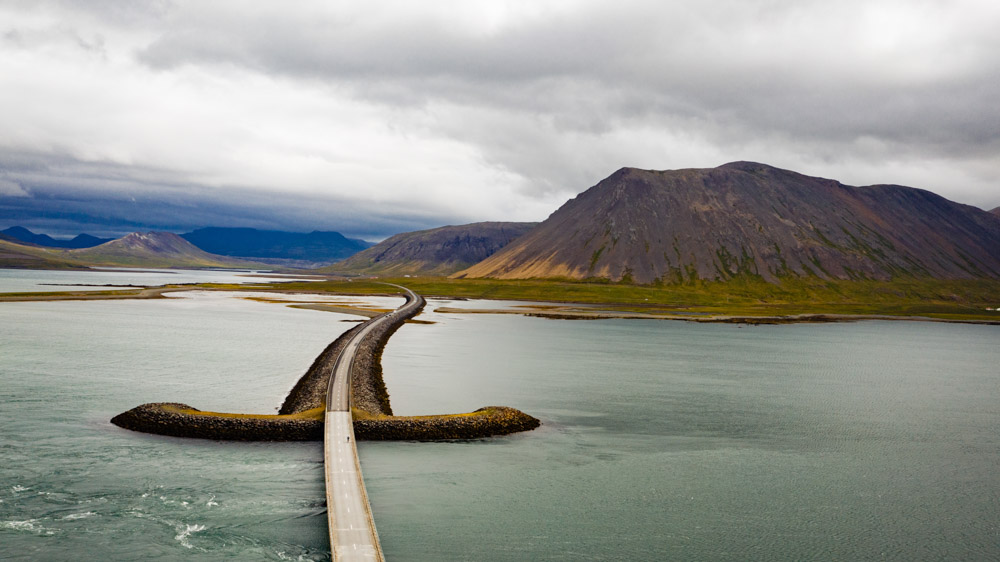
352	529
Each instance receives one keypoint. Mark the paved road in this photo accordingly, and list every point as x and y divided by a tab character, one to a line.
352	530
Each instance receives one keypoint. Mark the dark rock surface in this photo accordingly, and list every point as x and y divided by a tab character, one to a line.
155	418
488	421
310	391
368	391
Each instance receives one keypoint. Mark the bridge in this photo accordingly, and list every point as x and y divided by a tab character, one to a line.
352	529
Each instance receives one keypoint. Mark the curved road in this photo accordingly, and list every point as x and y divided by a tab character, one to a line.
352	529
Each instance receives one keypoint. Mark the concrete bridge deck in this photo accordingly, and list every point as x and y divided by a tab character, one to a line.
352	529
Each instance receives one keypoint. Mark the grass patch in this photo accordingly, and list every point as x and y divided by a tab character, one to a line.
313	414
741	296
946	299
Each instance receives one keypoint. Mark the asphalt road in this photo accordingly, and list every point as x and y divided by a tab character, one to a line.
352	529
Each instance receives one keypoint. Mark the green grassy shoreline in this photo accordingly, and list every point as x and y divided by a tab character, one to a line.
963	300
954	300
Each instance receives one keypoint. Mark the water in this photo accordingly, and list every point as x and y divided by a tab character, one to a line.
70	482
679	441
32	280
661	440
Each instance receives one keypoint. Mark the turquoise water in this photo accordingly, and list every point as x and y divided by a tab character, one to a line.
661	440
680	441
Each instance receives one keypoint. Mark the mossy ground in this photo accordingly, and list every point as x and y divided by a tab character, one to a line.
365	415
942	299
319	413
313	414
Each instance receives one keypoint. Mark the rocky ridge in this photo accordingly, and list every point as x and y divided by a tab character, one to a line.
750	220
438	251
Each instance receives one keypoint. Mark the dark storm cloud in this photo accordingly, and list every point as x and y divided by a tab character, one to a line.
394	115
63	196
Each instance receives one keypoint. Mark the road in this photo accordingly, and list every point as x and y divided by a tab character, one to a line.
352	529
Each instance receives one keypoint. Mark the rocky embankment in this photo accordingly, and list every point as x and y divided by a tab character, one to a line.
169	418
484	422
181	420
368	392
310	391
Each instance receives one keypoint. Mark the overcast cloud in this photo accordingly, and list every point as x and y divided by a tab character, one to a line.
377	117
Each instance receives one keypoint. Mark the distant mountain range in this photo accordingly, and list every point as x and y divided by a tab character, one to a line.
80	241
438	251
286	248
150	249
290	249
742	220
751	220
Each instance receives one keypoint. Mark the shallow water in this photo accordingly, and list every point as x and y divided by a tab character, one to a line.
661	440
671	440
33	280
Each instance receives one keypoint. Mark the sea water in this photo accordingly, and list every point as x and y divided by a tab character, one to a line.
72	486
666	440
660	440
33	280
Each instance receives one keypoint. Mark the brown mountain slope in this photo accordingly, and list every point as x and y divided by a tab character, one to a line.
748	219
18	255
438	251
996	211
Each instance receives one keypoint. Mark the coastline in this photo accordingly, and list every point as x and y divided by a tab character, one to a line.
573	314
555	311
142	293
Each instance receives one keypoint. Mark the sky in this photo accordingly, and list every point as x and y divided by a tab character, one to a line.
372	118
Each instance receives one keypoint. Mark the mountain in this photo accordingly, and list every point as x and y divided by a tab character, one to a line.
22	255
745	219
996	211
438	251
85	240
80	241
151	249
312	248
8	238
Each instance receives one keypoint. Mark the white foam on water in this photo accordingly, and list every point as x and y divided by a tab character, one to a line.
83	515
28	526
188	530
